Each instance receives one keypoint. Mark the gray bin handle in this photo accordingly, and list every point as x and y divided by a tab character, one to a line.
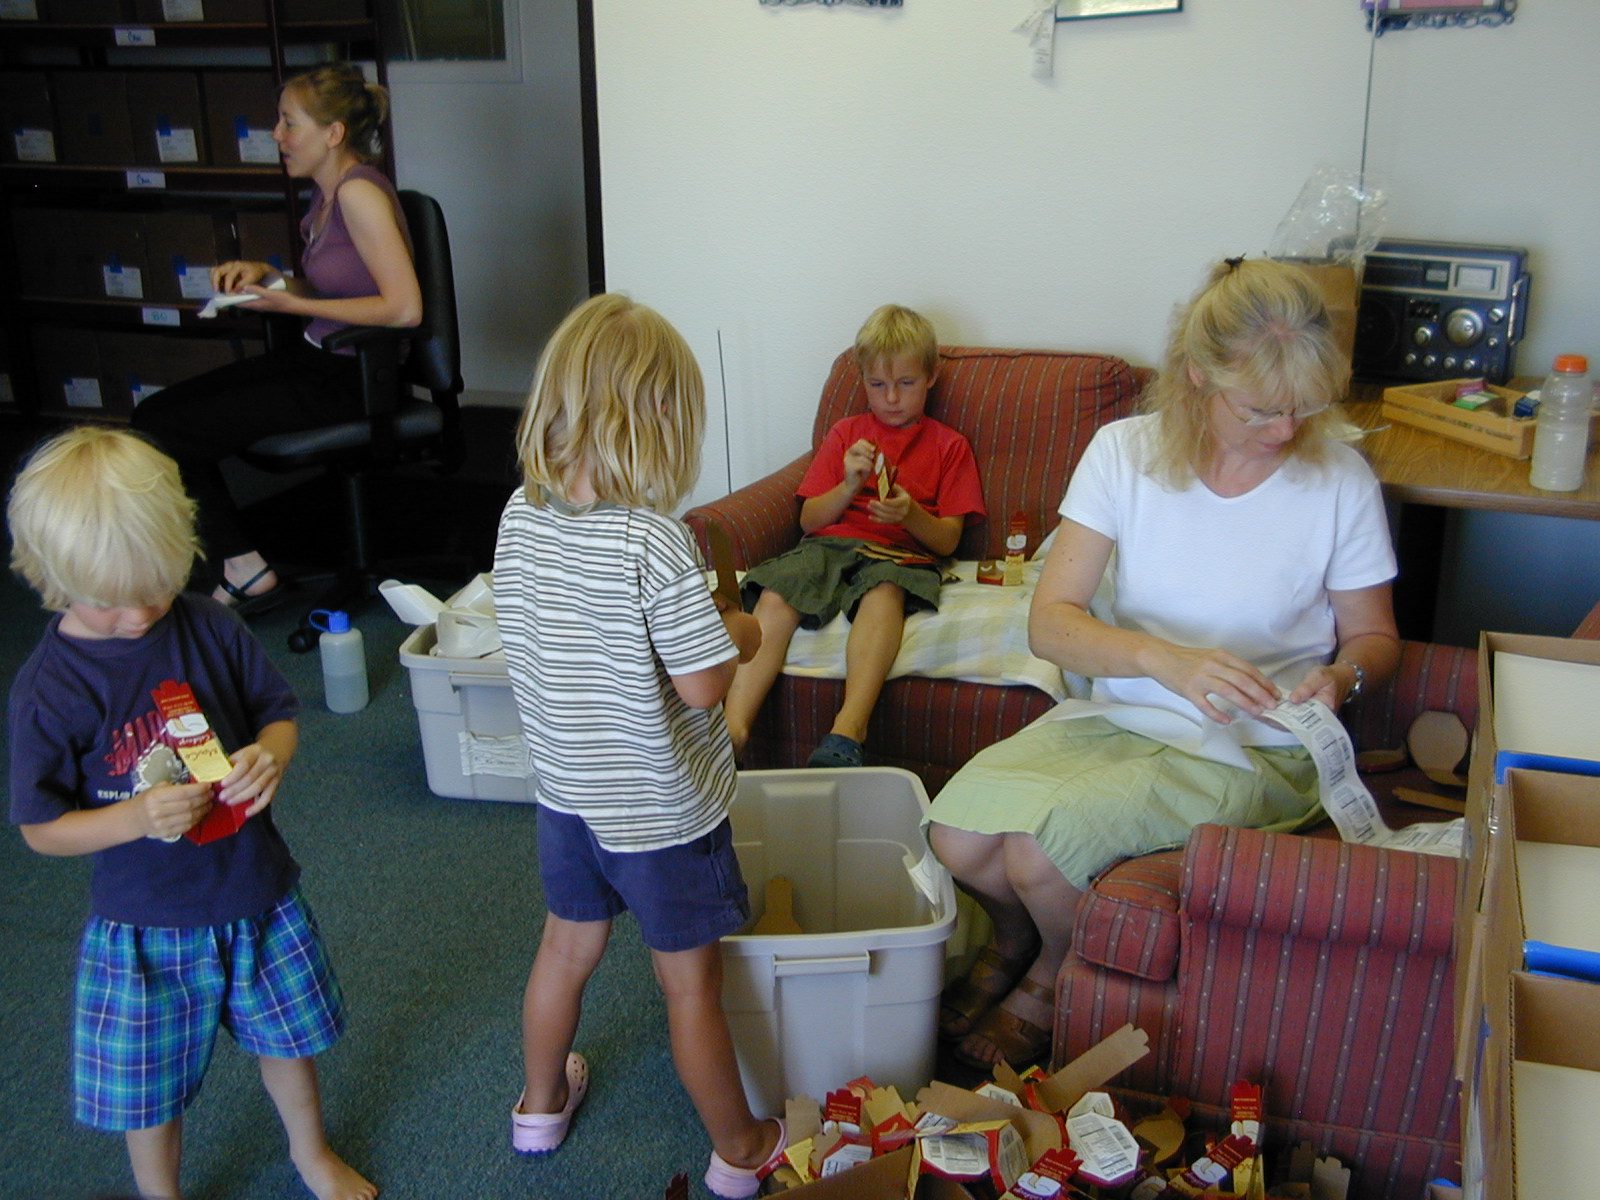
824	964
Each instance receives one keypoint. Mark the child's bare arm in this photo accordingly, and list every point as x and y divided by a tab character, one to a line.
707	687
821	511
258	768
167	810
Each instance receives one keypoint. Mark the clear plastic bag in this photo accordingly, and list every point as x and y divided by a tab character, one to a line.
1337	218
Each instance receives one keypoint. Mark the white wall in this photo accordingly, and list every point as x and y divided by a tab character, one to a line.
773	173
505	161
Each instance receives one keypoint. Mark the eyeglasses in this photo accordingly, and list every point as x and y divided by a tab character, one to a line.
1257	417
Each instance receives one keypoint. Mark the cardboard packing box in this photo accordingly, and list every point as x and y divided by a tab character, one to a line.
108	255
67	366
1431	406
157	12
180	250
164	118
85	12
92	117
241	109
134	366
27	118
46	265
265	237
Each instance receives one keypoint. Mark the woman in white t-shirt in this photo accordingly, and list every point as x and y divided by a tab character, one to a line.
1249	558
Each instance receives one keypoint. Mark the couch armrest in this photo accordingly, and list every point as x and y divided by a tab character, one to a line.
1320	890
1589	627
761	518
1430	678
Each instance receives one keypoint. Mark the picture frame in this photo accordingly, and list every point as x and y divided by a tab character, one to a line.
1081	10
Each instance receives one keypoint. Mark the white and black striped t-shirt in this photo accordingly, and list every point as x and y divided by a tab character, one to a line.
597	608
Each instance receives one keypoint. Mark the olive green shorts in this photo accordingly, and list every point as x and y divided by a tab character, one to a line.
822	577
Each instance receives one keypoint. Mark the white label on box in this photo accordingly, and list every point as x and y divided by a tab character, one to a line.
844	1156
147	179
194	283
177	146
257	146
19	10
135	36
82	392
506	757
125	283
35	145
183	10
160	316
141	391
7	395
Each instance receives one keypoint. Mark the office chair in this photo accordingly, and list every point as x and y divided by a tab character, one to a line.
400	426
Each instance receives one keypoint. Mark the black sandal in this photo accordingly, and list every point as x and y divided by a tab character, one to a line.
247	605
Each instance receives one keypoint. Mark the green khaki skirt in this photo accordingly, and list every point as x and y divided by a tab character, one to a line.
1091	793
822	577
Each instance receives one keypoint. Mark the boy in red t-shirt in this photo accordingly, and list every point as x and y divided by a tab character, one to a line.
885	497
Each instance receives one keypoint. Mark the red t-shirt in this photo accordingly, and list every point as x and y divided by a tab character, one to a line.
936	467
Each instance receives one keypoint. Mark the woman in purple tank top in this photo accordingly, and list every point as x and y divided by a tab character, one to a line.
356	269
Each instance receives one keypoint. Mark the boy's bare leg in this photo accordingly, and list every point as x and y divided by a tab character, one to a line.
753	680
873	646
568	953
702	1051
292	1084
154	1154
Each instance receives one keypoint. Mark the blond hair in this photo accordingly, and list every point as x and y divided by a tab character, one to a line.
1258	327
99	517
340	92
893	330
617	394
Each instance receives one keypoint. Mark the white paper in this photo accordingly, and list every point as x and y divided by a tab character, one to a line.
125	283
1553	1115
1543	706
82	392
224	300
35	145
177	146
1560	902
257	146
1040	26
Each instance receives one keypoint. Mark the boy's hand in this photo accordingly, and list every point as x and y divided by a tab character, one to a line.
170	810
253	780
892	511
858	463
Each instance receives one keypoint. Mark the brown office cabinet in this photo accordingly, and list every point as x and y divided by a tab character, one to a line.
131	164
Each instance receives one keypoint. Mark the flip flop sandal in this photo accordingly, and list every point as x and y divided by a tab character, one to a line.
988	982
540	1133
244	603
740	1183
1019	1041
836	750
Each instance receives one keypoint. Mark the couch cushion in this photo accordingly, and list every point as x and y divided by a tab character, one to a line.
1129	920
1029	415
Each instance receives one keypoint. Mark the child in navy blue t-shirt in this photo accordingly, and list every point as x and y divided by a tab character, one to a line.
184	934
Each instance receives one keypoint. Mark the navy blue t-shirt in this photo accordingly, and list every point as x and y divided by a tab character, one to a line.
85	733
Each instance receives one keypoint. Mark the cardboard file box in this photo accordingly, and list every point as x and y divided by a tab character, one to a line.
67	365
27	118
135	366
92	116
180	250
157	12
85	12
265	237
241	109
164	117
46	263
858	992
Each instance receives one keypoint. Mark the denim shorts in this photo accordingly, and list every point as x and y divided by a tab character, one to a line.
683	897
150	999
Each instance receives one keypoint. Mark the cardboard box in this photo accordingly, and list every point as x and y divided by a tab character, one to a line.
241	109
180	250
156	12
85	12
67	365
164	118
135	366
1431	406
20	10
46	265
265	237
1342	295
92	116
109	255
27	118
323	10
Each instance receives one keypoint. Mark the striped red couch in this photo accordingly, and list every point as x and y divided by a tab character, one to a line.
1029	415
1321	969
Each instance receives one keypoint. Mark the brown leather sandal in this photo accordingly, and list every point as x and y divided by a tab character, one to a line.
988	982
1018	1040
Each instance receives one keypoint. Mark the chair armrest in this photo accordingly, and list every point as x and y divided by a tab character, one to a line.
1430	678
761	518
1589	627
1320	889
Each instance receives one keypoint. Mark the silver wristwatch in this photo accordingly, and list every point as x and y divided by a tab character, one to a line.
1361	679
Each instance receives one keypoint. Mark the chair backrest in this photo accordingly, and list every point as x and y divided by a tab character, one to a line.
435	361
1029	415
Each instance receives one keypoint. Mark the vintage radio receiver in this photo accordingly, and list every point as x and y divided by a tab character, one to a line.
1433	310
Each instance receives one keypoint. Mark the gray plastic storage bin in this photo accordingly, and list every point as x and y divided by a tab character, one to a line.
858	992
471	741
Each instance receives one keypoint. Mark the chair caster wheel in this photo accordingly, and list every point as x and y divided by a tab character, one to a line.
302	640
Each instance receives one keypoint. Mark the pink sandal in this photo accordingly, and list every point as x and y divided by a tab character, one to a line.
540	1133
740	1183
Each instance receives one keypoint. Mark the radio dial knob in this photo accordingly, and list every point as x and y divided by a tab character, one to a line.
1430	360
1411	358
1496	315
1494	342
1449	362
1422	334
1463	327
1469	365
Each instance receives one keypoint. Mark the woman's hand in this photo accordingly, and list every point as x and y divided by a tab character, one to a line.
1198	674
239	275
274	300
253	780
1330	684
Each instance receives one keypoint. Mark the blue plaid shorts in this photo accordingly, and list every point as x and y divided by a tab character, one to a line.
150	999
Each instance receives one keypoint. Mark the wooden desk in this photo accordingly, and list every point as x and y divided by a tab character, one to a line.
1428	474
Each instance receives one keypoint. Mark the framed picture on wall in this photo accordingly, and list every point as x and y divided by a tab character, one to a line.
1078	10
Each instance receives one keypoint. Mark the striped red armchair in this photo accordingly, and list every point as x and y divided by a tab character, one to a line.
1029	415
